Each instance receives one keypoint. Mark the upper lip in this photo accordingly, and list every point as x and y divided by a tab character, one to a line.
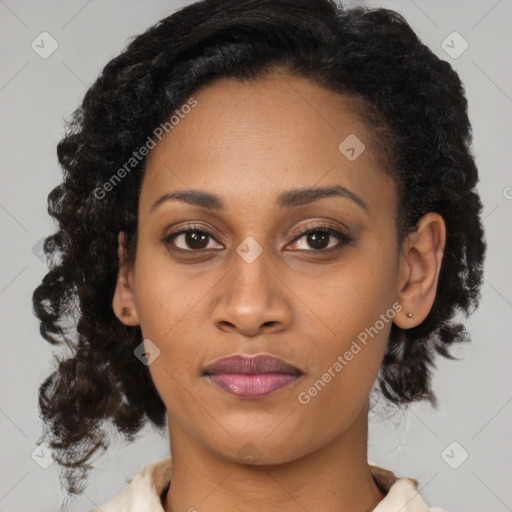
251	365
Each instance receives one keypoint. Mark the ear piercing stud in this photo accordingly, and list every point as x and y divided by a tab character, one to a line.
409	315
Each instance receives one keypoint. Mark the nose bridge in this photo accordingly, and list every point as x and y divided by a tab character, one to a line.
251	274
251	296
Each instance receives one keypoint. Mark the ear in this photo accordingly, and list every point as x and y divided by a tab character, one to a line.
123	302
420	265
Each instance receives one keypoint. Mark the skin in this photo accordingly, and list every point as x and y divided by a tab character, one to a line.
247	143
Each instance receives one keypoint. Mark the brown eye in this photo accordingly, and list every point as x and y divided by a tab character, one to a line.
192	239
319	237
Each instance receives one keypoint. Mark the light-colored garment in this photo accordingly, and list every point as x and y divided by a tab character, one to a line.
143	493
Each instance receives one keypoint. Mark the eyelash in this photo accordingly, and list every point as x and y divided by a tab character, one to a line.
342	237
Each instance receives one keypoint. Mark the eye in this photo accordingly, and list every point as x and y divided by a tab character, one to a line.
191	239
195	238
318	238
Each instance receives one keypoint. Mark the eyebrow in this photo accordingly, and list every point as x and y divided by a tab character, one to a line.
289	199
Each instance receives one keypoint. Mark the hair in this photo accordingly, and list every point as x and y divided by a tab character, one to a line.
414	105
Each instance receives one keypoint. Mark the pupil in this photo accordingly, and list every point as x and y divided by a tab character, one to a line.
314	238
192	239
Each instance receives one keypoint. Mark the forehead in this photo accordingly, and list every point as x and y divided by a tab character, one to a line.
257	139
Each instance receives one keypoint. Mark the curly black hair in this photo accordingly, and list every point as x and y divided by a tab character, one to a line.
414	104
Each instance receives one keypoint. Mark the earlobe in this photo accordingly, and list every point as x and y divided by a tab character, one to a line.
123	302
420	266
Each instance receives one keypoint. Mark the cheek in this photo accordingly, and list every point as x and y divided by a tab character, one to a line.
166	319
164	296
349	324
169	308
351	297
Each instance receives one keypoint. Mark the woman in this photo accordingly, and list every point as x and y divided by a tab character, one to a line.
267	207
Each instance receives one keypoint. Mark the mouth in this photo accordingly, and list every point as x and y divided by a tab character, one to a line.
248	376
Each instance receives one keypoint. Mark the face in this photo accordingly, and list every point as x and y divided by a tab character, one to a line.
245	280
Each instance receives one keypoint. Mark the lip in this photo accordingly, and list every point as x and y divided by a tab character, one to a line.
250	364
252	376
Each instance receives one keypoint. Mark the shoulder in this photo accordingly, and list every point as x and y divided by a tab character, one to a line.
143	491
401	493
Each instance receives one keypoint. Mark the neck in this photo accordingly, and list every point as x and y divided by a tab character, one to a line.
334	478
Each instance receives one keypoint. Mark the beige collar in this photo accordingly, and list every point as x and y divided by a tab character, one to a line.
145	489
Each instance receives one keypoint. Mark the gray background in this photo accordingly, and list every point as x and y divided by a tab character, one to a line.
474	394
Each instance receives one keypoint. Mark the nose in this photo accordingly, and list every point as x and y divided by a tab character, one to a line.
252	300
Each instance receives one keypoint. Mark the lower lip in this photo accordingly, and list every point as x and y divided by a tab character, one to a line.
252	386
